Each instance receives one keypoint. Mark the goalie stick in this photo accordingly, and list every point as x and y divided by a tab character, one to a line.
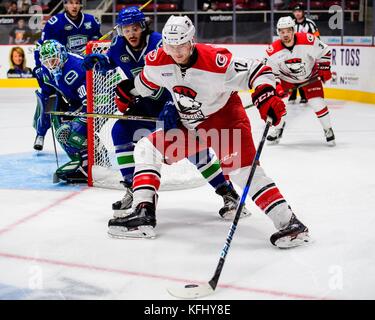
192	291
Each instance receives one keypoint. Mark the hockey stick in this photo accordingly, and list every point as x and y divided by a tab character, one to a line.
192	291
101	115
55	178
114	28
312	80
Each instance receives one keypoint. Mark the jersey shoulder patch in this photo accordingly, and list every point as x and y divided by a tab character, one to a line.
305	38
158	57
53	20
276	46
212	59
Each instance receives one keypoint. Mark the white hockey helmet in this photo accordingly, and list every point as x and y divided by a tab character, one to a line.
285	22
178	30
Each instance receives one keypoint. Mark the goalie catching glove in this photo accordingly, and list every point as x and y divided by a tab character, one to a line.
124	98
268	103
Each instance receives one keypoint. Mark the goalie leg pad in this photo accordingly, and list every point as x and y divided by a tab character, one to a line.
41	122
72	136
73	171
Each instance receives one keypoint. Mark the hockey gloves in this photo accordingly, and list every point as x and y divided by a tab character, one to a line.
169	115
91	59
124	98
324	71
268	103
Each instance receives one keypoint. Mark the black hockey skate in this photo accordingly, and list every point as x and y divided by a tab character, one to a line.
39	143
330	137
139	224
303	101
293	96
275	136
293	235
231	201
122	208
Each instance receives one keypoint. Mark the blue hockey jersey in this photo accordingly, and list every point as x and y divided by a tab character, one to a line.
71	84
72	34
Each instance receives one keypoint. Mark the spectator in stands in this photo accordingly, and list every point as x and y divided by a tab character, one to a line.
18	67
13	8
23	6
305	25
20	34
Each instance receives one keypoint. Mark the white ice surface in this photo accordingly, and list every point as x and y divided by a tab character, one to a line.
54	243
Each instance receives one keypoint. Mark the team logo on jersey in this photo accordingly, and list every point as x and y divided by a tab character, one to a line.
310	37
221	60
88	25
152	55
190	109
68	27
270	49
125	58
296	66
76	43
70	77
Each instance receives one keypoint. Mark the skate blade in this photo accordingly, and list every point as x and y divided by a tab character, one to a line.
331	143
122	213
290	242
143	232
230	215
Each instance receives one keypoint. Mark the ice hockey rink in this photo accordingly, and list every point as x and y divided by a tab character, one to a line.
54	243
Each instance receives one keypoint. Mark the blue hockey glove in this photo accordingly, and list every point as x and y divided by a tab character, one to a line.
169	115
91	59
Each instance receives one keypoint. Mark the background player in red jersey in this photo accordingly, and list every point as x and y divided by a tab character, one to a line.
299	58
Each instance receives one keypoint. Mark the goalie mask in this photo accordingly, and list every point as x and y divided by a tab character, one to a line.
53	56
178	31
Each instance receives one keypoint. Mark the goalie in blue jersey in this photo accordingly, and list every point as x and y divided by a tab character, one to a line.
128	50
64	78
73	29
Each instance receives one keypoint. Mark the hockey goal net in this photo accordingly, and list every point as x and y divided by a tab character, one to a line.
103	170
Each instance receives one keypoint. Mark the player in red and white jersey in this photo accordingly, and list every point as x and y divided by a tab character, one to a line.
295	59
204	81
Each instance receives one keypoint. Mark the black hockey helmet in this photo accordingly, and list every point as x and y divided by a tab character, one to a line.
299	7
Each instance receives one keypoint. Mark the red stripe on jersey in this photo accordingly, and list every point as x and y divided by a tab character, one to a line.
146	179
212	59
322	112
269	196
258	73
148	83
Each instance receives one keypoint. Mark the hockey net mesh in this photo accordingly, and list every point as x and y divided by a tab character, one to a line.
103	169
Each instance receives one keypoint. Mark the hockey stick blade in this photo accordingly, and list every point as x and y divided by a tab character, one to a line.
55	178
191	291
